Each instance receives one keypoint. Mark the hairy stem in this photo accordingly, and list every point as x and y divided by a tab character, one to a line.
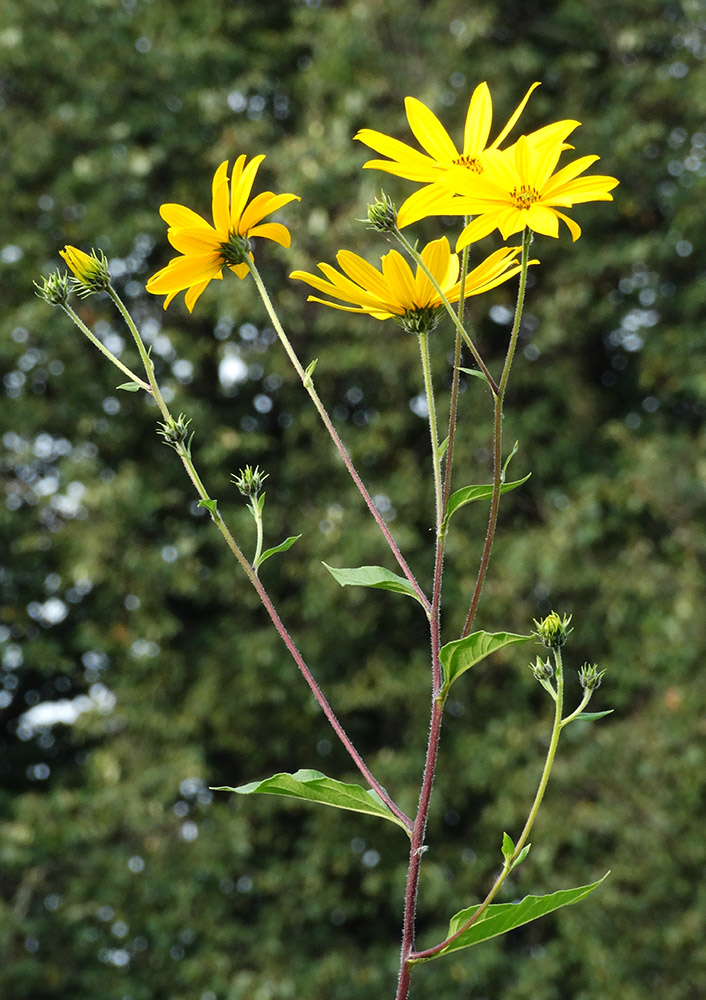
498	401
309	386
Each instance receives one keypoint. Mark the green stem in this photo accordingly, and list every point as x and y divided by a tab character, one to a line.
257	514
433	428
449	309
309	386
420	956
498	402
453	406
144	355
103	349
584	702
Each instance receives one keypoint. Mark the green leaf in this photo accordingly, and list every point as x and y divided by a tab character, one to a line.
373	576
593	716
443	446
282	547
130	386
316	787
515	449
475	373
467	494
500	918
508	846
508	850
211	505
309	373
521	856
458	656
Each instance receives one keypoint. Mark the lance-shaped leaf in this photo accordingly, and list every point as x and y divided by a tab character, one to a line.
373	576
282	547
593	716
500	918
467	494
316	787
461	654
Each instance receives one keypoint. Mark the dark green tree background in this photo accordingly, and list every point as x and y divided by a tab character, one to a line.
121	875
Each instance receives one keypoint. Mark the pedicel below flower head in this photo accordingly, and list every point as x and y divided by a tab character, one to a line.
395	292
206	249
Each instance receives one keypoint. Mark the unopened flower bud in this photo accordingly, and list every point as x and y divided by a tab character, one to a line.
54	289
90	271
249	481
542	669
590	676
553	630
176	433
382	214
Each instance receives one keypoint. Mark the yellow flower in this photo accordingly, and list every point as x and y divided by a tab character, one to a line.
519	189
396	292
206	249
441	153
90	271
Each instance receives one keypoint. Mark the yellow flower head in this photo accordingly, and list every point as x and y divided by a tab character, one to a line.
206	249
441	154
395	292
90	271
519	189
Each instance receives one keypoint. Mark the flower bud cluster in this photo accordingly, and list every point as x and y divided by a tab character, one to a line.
54	289
250	481
176	433
542	669
590	676
553	630
382	215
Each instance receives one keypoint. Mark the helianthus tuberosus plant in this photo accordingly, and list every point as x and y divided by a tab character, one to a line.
520	190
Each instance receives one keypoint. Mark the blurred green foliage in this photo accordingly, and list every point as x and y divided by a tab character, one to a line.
121	875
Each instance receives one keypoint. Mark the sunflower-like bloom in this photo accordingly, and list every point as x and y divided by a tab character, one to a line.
395	292
441	154
206	249
519	190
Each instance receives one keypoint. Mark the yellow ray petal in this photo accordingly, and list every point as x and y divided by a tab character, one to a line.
513	119
193	293
219	198
405	161
399	278
436	255
182	272
262	205
240	191
543	220
478	121
195	241
574	228
360	271
182	217
429	132
274	231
